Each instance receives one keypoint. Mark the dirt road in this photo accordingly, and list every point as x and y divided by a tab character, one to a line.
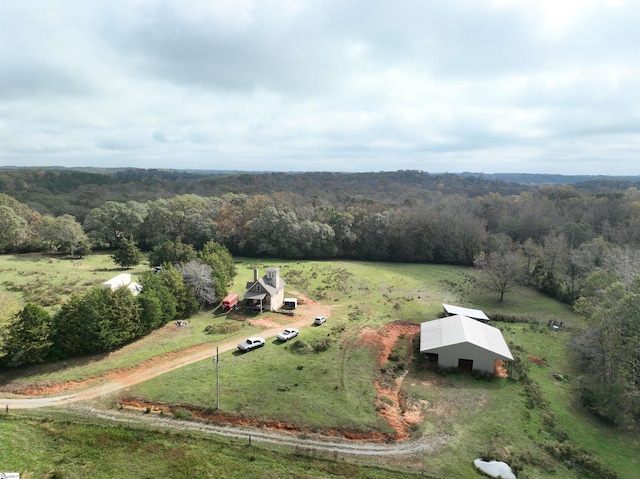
152	369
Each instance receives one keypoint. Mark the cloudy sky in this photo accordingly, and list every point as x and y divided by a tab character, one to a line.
535	86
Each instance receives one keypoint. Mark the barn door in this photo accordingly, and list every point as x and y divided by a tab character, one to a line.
465	365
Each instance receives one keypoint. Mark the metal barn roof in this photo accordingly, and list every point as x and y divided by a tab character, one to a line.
468	312
458	329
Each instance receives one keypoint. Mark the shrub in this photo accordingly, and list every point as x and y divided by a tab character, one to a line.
181	413
578	458
223	328
483	375
322	344
300	347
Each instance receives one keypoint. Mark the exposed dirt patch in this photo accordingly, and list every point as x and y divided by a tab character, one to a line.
118	375
48	389
264	323
391	403
535	360
500	369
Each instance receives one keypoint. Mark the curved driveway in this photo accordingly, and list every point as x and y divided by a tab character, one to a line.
138	375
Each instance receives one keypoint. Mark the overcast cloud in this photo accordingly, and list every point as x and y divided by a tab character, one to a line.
535	86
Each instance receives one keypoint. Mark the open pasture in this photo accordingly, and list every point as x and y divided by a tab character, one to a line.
335	387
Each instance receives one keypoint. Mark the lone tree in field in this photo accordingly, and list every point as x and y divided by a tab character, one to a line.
127	254
501	270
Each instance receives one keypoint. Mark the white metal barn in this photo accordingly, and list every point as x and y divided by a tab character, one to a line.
459	341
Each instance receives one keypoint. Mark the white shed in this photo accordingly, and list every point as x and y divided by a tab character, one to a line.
459	341
452	310
117	281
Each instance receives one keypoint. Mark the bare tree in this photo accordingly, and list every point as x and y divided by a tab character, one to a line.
199	277
502	270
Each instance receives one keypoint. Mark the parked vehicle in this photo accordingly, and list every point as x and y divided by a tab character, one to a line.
251	343
319	320
230	301
287	334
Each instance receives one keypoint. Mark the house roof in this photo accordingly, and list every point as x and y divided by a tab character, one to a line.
468	312
254	295
443	332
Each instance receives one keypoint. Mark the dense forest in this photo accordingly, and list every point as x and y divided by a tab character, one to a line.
577	242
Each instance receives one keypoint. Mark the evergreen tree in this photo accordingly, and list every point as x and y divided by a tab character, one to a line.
75	327
155	292
28	339
223	270
127	254
186	303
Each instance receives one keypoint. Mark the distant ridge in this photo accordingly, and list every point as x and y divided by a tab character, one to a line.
520	178
548	179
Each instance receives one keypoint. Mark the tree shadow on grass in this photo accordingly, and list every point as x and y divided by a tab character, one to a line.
24	372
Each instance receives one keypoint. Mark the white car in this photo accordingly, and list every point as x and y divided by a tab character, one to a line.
287	334
319	320
251	343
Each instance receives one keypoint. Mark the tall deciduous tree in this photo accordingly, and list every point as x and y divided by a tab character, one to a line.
66	234
171	252
9	309
106	224
12	229
156	300
223	270
608	352
186	303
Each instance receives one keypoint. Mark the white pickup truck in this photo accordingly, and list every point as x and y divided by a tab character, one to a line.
251	343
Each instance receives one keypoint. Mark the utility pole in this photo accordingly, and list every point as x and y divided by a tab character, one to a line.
217	380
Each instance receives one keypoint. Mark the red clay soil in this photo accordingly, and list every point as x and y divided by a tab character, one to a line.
390	402
241	420
50	389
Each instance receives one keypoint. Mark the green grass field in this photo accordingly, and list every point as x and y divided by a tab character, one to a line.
334	388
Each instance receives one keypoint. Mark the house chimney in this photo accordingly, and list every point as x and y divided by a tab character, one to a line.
255	274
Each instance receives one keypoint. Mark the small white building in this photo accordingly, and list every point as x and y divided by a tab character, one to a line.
451	310
459	341
123	280
117	281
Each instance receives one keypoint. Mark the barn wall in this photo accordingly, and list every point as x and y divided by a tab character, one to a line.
482	359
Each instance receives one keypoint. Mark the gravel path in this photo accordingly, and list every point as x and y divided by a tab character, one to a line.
248	435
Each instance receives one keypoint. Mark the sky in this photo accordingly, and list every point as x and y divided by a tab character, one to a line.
492	86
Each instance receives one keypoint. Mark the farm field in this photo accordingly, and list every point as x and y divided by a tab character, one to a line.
357	385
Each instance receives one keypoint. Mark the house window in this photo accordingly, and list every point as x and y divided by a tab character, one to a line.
258	288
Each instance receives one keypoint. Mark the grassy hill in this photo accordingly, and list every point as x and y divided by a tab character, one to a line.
532	423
